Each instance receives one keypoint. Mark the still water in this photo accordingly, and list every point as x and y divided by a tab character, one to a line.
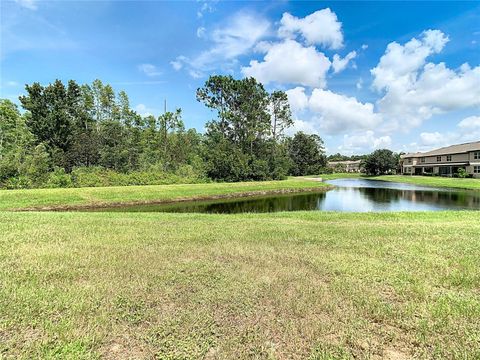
350	195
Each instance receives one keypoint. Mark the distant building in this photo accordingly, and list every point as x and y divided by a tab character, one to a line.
445	161
345	166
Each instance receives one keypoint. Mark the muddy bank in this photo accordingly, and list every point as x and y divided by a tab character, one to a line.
91	206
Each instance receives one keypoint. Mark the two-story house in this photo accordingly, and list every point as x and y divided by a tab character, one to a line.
445	161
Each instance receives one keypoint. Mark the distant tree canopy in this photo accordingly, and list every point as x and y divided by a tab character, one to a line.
73	126
307	154
245	141
340	157
381	162
87	135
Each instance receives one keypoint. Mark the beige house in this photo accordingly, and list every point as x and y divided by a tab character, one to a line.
346	166
445	161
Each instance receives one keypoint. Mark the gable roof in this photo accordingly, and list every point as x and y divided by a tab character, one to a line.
346	162
453	149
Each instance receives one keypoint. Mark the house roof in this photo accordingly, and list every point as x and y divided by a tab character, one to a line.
453	149
347	162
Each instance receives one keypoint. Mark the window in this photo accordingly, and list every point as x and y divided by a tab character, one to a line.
422	159
476	169
439	158
449	157
409	160
476	155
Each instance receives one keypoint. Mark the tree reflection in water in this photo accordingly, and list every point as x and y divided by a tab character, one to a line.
357	195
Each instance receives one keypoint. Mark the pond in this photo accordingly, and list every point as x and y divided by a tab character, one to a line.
349	195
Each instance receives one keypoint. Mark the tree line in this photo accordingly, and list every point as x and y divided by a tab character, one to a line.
88	135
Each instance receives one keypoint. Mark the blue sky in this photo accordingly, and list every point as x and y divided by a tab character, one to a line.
363	75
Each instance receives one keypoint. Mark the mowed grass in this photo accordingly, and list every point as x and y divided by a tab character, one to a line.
38	198
265	286
435	181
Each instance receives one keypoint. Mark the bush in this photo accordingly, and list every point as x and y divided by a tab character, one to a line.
462	173
59	179
97	176
19	182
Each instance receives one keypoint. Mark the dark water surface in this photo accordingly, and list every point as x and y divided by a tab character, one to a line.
350	195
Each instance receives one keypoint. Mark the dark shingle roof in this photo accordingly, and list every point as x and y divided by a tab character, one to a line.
453	149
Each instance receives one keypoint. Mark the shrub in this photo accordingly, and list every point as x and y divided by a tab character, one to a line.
59	179
462	173
18	182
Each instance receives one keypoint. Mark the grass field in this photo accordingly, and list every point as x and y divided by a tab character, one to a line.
313	285
40	198
279	286
436	181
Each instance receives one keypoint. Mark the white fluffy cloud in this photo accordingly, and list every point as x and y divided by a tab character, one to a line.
434	138
415	90
337	113
466	130
297	98
319	28
149	70
400	63
364	142
330	113
470	123
289	62
242	32
340	64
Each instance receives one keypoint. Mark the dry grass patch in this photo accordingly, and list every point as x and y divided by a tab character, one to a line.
274	286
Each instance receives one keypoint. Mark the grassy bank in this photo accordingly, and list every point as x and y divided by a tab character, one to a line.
436	181
41	198
286	285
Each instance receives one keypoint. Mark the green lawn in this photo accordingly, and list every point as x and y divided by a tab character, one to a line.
471	184
435	181
267	286
38	198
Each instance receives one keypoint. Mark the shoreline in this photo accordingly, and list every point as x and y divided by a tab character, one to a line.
103	205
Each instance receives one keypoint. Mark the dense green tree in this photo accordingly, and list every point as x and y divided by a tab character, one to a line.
382	161
281	113
15	139
247	131
307	154
81	133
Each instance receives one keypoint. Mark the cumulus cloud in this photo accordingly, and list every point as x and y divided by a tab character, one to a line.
400	63
470	123
434	138
337	113
415	90
466	130
297	98
289	62
340	64
364	142
301	125
143	110
319	28
149	70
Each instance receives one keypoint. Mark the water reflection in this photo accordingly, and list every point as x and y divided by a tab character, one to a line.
350	195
